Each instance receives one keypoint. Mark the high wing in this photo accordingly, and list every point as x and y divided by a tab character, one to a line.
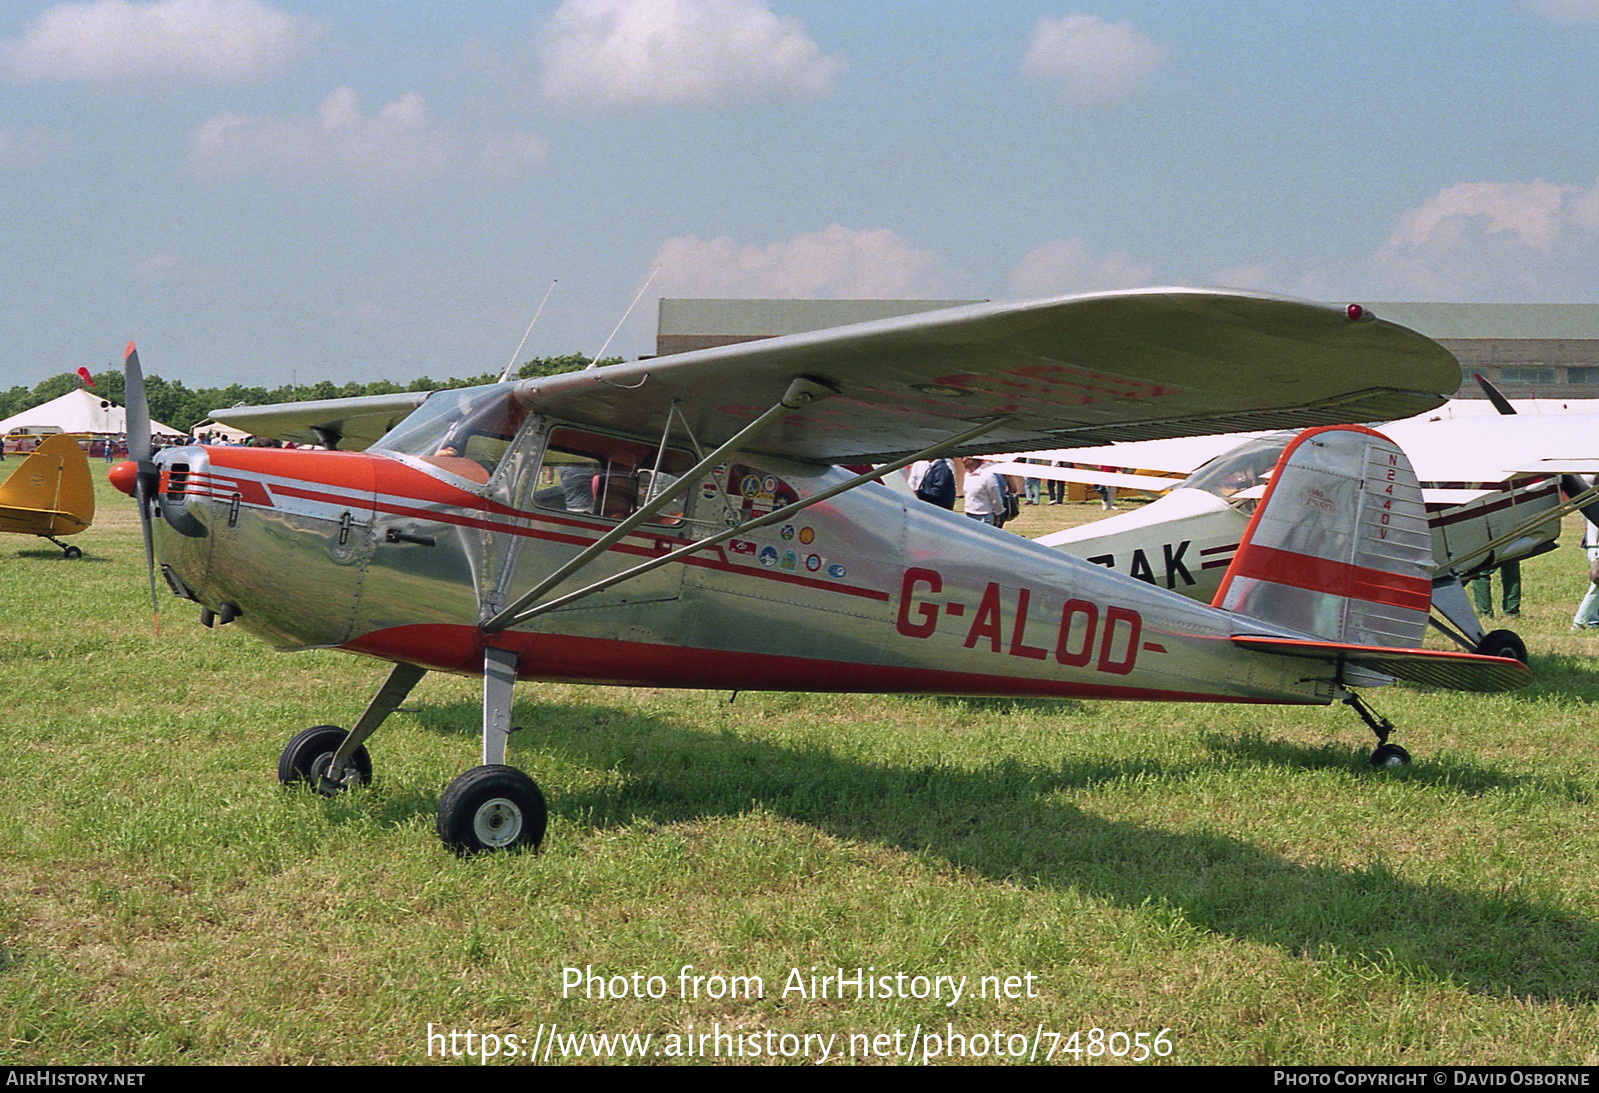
352	424
1176	458
1483	449
1067	372
1079	370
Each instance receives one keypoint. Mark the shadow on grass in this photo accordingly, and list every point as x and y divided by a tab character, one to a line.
1464	775
1566	674
1011	821
50	553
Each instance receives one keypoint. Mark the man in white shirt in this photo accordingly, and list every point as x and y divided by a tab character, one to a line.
985	494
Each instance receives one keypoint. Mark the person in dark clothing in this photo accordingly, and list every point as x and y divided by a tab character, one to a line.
937	485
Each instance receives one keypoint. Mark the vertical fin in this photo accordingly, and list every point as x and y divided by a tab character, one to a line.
54	478
1339	547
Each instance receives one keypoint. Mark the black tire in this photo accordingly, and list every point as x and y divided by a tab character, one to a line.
1389	757
1503	643
492	807
305	759
72	553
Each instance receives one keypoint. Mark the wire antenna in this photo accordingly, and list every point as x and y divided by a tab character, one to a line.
505	375
623	319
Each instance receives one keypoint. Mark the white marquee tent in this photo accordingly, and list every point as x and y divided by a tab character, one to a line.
78	411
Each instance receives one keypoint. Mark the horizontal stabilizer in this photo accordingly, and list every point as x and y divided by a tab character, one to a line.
1432	667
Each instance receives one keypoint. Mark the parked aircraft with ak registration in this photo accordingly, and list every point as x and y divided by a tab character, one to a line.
1494	487
696	521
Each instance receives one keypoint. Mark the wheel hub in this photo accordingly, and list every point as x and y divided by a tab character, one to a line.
498	822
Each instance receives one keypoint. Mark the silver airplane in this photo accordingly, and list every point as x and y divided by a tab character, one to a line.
714	519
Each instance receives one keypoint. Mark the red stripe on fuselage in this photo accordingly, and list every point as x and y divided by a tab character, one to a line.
566	659
1478	509
448	504
1315	574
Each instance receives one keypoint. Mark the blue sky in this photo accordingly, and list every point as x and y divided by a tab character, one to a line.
277	190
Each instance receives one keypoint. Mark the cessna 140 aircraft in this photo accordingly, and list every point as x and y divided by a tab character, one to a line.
695	521
49	494
1492	487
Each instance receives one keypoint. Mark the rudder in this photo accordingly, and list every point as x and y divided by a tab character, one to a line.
53	479
1339	546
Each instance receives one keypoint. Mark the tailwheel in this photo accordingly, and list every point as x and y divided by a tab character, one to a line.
1385	756
493	807
1503	643
1389	756
306	758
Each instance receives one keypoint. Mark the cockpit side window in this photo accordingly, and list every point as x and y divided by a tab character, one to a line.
607	476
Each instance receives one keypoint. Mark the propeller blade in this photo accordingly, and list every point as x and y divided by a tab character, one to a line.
138	408
148	482
1501	403
1575	485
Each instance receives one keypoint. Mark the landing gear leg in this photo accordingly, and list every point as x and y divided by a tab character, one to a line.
1462	626
494	806
68	551
334	760
1386	754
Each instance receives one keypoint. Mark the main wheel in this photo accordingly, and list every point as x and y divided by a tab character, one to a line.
492	807
1503	643
71	553
1389	756
306	758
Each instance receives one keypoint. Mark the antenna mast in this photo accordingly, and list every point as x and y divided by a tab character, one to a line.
505	375
623	319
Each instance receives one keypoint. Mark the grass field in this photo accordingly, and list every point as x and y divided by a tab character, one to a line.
1237	876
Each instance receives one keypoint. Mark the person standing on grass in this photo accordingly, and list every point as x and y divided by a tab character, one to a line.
1587	616
985	495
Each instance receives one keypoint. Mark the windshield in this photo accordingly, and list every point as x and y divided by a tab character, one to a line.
463	432
1245	467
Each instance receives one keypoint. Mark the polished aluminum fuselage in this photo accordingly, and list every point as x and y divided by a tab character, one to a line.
387	555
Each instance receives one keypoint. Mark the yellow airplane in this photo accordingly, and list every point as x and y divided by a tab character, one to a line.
50	494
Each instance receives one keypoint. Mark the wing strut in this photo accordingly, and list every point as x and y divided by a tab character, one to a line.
1580	502
521	611
801	393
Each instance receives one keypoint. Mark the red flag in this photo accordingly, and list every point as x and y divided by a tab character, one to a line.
83	374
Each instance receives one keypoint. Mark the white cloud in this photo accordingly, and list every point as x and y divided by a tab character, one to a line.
1092	62
618	54
512	153
1563	11
1067	265
167	39
398	144
835	263
1496	240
